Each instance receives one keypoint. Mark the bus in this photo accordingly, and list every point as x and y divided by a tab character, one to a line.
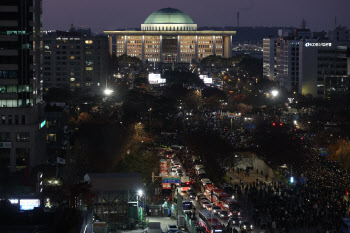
218	196
209	193
230	205
187	205
209	222
185	183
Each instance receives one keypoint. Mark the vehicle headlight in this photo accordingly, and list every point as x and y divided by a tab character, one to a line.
251	226
244	226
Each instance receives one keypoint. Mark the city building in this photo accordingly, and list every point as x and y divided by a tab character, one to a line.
269	58
22	135
75	59
56	115
308	63
339	34
170	36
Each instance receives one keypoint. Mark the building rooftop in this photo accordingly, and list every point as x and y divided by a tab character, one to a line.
168	16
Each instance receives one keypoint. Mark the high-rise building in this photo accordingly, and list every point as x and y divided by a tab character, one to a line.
170	36
75	59
269	58
308	63
22	135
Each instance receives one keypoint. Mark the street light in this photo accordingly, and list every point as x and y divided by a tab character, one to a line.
274	93
108	91
140	192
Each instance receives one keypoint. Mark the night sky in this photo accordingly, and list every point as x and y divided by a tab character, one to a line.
122	14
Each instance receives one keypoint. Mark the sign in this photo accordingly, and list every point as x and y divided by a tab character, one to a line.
42	124
5	144
172	180
166	186
155	79
28	204
308	44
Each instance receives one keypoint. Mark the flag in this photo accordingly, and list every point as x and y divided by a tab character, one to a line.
61	160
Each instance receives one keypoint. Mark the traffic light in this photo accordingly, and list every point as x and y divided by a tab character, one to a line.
273	124
281	124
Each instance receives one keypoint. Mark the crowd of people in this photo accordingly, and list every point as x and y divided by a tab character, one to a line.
315	205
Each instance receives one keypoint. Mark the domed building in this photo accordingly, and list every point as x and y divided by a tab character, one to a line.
169	35
168	19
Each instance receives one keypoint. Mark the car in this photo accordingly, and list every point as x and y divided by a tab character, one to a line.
177	165
179	171
215	209
205	203
208	207
192	195
235	220
246	226
223	214
202	198
173	169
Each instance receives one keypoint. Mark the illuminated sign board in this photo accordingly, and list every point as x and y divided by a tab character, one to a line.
42	124
208	80
28	204
203	76
308	44
13	201
156	79
5	144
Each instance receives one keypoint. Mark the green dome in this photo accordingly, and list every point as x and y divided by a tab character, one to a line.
168	16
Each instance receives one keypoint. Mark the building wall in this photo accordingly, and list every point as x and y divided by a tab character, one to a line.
188	49
170	48
22	143
168	27
75	61
269	58
152	46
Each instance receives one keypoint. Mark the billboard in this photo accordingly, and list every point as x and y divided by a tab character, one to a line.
29	204
203	76
206	79
156	79
172	180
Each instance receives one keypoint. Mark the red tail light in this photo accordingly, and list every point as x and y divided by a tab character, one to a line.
273	124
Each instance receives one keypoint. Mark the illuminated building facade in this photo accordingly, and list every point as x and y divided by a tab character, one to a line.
75	59
22	139
170	36
308	64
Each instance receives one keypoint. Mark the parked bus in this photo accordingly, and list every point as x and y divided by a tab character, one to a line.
209	222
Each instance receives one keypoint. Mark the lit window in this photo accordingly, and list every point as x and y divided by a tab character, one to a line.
72	79
72	57
89	68
88	42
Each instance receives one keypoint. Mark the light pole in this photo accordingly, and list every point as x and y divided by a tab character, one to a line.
274	94
149	116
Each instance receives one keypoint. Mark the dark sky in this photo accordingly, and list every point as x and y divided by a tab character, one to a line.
121	14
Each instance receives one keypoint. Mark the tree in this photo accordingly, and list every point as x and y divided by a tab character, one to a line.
341	152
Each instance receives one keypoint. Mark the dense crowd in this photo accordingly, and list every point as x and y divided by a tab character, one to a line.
317	205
